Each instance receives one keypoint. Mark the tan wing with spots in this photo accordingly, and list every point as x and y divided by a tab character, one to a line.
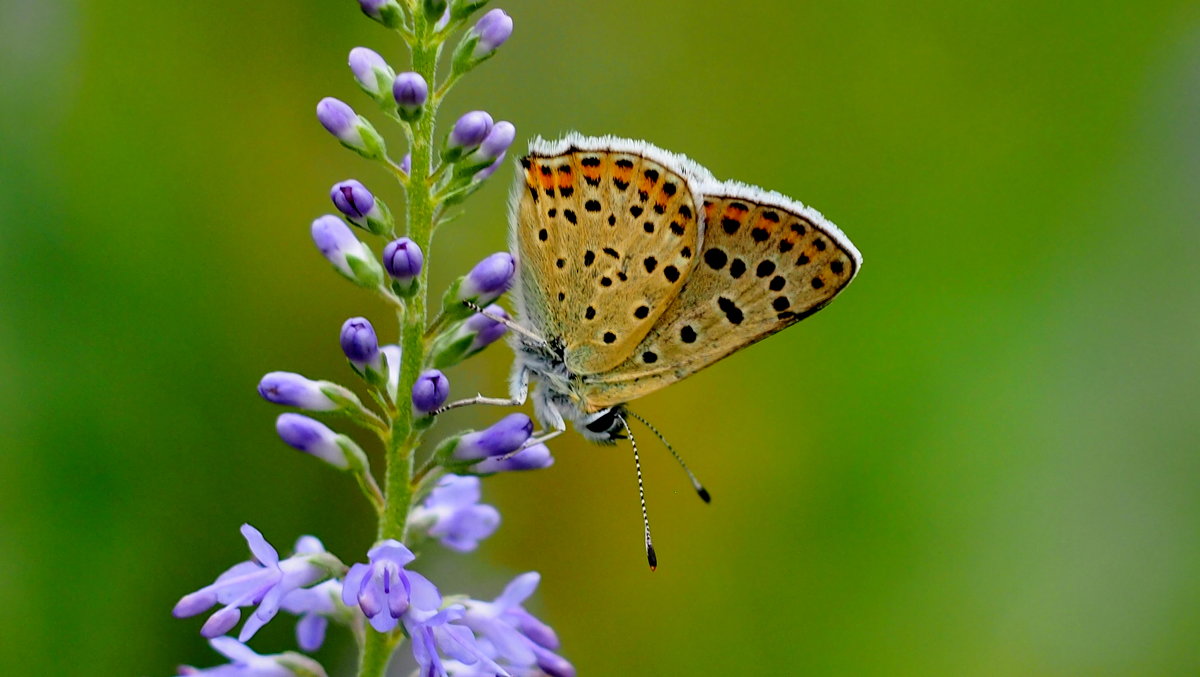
605	240
766	263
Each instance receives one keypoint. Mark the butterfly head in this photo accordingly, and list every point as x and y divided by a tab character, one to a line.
605	426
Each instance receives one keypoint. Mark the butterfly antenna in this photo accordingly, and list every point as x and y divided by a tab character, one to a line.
700	490
637	463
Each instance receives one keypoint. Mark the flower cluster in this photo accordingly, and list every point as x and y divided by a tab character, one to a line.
381	598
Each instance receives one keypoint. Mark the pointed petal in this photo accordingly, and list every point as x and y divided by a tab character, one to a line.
455	492
309	545
423	595
553	664
270	603
354	583
264	552
533	628
509	643
383	622
518	590
371	598
232	649
253	623
194	603
393	551
458	642
310	632
398	593
221	622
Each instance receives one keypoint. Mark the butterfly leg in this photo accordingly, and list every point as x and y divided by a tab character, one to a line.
512	326
518	393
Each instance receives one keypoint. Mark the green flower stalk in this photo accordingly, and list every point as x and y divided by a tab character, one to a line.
381	600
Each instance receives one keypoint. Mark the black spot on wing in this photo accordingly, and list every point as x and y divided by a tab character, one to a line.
732	312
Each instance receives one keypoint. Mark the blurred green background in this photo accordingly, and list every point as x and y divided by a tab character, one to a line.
982	460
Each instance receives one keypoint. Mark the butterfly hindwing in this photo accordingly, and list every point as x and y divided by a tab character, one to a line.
766	263
606	235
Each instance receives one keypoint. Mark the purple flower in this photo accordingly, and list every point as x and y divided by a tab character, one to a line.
406	163
263	581
348	255
353	131
411	93
403	260
470	130
452	514
518	638
245	663
485	329
431	391
492	30
533	457
489	279
385	590
314	606
438	633
293	390
315	438
503	437
371	72
360	344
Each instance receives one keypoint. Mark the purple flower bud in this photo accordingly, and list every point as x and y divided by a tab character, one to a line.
360	343
339	119
534	457
504	437
350	257
360	207
293	390
371	72
489	279
313	437
354	200
355	133
411	93
431	391
486	330
492	30
470	130
498	140
403	260
386	12
406	163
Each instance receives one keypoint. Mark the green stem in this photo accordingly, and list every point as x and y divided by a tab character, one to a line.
377	650
402	442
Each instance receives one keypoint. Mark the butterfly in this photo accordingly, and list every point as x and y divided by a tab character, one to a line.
637	268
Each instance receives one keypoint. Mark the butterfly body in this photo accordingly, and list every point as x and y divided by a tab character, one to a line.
637	268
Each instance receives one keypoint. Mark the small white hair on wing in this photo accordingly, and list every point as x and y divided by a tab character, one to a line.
687	167
745	191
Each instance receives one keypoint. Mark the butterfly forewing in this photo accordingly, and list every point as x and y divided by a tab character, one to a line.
765	264
606	237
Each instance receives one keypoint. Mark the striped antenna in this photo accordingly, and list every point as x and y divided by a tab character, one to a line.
651	557
700	490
